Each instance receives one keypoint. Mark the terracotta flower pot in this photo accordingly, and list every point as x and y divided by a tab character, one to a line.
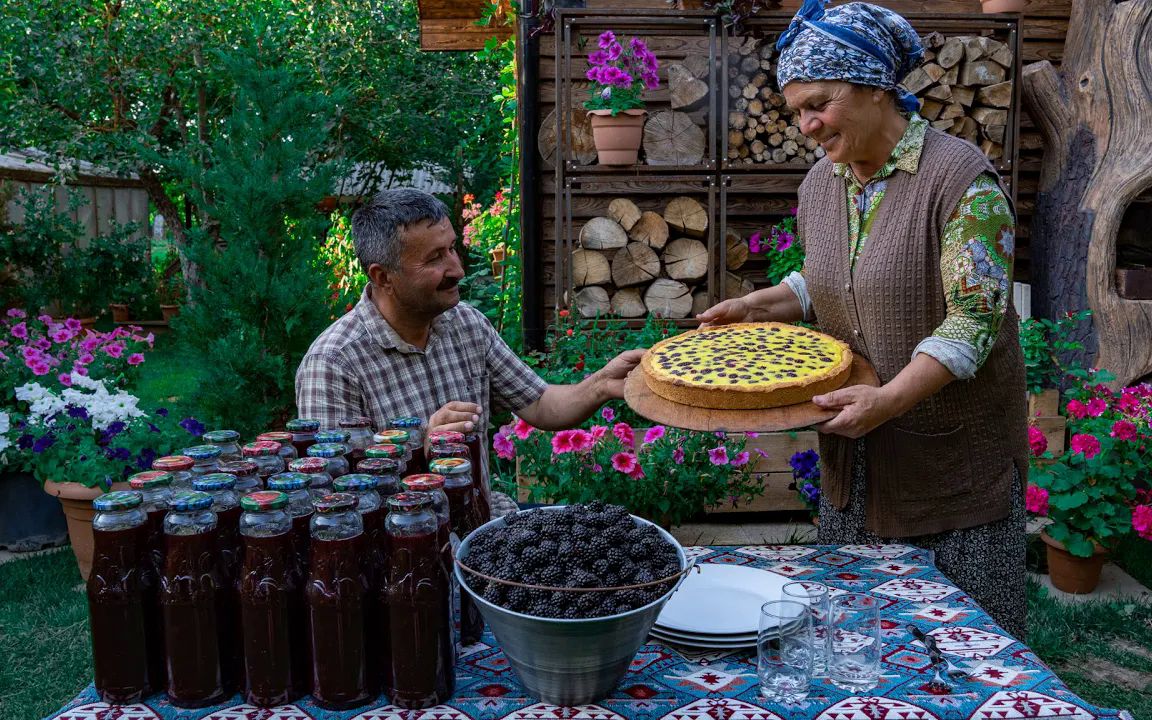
1072	573
1003	6
120	312
169	311
77	503
617	137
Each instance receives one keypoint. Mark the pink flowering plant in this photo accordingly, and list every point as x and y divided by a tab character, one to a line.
782	251
620	73
657	472
1097	491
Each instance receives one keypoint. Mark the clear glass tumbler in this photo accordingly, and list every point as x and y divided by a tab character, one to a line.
854	664
818	599
784	650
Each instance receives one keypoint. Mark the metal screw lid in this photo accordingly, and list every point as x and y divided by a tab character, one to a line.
119	500
150	480
356	481
355	422
310	465
394	436
302	425
220	436
450	466
332	436
214	482
239	468
264	500
276	436
409	501
202	452
328	450
445	437
424	482
288	481
378	466
384	450
189	501
262	448
336	503
406	423
169	463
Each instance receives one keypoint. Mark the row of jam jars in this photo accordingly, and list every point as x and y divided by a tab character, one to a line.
373	554
247	474
154	487
272	603
205	458
179	467
287	450
227	440
399	454
116	598
387	473
418	596
359	431
336	595
335	437
462	500
335	455
319	481
403	438
296	487
303	432
418	463
266	455
221	487
189	596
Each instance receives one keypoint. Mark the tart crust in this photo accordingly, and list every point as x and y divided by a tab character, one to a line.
746	366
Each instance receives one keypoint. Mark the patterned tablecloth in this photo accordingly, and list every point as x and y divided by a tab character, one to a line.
675	684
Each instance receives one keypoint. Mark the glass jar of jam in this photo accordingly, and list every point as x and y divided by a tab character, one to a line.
272	603
296	487
116	599
332	435
457	474
403	438
336	456
247	474
388	451
359	431
386	471
419	605
335	594
303	434
205	458
434	486
374	555
229	553
179	467
415	426
319	481
481	486
445	437
155	487
287	449
266	455
189	594
227	440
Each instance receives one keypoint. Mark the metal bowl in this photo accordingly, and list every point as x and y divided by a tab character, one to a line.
568	662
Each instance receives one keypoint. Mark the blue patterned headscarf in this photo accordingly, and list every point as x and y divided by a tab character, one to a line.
857	43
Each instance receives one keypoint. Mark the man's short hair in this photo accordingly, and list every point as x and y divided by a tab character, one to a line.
378	227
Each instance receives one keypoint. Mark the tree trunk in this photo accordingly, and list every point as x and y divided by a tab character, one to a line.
1096	117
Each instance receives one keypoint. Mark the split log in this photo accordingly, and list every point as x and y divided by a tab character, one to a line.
628	303
685	259
590	267
583	148
736	286
591	301
998	95
697	65
687	216
951	54
671	138
989	116
624	211
636	264
735	250
650	229
601	233
684	88
982	72
668	298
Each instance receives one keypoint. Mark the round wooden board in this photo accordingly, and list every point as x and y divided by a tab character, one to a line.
789	417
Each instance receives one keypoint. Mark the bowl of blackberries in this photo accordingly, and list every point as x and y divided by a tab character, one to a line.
570	592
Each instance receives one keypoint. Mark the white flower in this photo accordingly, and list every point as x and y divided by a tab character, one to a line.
5	426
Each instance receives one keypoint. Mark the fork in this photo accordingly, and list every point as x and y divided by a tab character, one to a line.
953	671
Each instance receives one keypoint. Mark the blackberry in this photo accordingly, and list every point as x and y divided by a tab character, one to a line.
616	557
602	567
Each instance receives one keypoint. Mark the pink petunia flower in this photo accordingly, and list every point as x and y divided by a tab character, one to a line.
522	429
597	467
85	359
1123	430
606	38
751	434
1085	444
65	379
1037	441
42	344
16	313
754	243
504	447
60	335
1096	407
718	455
623	432
1129	402
762	453
1142	521
598	431
740	459
562	442
1036	500
73	324
114	350
636	472
608	414
40	368
582	440
654	433
20	330
624	462
90	343
44	318
784	241
678	456
80	370
135	359
1076	409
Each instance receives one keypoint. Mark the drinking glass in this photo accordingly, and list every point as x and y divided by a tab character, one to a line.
784	650
854	663
818	599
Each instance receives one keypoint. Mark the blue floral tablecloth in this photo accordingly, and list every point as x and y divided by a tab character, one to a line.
670	683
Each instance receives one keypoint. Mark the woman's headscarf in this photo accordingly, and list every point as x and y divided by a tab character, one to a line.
857	43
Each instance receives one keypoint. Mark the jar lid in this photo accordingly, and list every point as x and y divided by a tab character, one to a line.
452	450
336	503
150	480
378	466
327	450
384	450
302	425
355	481
410	501
189	501
310	465
263	500
214	482
239	468
277	436
406	423
355	422
450	466
444	437
332	436
118	500
173	462
392	437
220	436
202	452
287	481
424	482
260	448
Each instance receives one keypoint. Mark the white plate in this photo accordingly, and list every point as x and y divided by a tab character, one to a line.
721	599
707	644
679	635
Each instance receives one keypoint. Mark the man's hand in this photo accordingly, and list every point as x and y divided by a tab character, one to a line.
862	408
459	416
730	311
611	376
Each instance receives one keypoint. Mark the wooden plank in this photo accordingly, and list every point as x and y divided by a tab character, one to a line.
104	209
1038	8
14	208
459	35
86	214
139	212
776	495
451	9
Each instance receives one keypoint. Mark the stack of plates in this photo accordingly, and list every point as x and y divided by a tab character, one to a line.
718	607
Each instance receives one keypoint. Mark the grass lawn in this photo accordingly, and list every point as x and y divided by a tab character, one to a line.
1102	650
167	375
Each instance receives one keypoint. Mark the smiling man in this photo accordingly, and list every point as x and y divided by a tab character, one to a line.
411	348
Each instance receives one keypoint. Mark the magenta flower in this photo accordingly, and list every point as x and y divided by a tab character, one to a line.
114	350
1124	430
1096	407
595	74
1087	445
607	38
135	359
44	318
1129	402
1037	442
73	324
614	51
678	456
60	335
608	414
80	370
598	431
740	459
562	442
20	330
762	453
85	359
65	379
754	242
598	57
623	432
1036	500
582	440
624	462
654	433
1142	521
40	368
637	472
1076	409
16	313
718	455
522	429
504	447
784	241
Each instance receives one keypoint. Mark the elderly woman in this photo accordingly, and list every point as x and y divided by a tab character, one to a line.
909	245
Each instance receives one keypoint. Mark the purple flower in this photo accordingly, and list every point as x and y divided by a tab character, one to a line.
594	74
784	241
193	426
718	455
162	412
614	51
43	443
115	428
20	330
607	38
805	465
145	458
121	454
77	412
16	313
25	441
615	76
811	492
73	324
598	57
754	242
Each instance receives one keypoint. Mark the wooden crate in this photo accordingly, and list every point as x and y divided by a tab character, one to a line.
1045	403
1055	430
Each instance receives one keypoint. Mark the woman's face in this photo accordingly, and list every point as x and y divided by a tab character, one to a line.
842	117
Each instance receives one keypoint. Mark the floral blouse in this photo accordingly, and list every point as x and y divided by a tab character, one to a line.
976	255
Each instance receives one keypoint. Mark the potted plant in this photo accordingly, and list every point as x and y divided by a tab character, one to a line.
1043	343
806	480
120	260
1096	492
170	291
619	75
783	253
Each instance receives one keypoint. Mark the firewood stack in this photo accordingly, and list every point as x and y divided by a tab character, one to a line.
632	263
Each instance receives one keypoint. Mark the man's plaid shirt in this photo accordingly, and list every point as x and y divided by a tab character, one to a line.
359	366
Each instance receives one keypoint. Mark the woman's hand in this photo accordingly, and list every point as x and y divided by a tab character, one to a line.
862	408
730	311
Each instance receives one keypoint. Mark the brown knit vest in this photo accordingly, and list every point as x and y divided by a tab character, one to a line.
947	463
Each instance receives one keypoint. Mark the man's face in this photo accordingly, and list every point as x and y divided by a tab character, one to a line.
430	269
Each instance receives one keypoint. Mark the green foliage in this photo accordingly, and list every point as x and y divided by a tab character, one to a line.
782	249
1043	342
337	260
